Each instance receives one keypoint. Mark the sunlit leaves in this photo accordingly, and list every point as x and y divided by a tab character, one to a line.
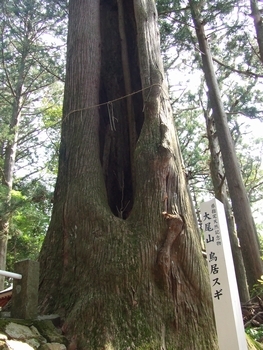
31	206
32	59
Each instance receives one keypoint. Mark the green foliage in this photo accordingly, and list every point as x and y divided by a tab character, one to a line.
230	34
29	64
51	124
32	49
31	208
254	337
4	207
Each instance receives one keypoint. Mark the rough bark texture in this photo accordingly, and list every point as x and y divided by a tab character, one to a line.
220	189
256	15
246	230
122	261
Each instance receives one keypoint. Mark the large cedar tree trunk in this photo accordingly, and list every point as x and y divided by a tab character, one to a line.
121	262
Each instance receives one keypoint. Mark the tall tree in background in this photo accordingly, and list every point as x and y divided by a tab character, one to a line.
241	207
220	188
121	262
256	15
26	69
239	91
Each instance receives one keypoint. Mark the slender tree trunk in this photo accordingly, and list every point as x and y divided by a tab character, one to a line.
241	207
256	15
122	261
7	179
218	179
10	153
10	159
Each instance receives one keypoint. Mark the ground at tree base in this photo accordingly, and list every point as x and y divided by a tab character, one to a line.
42	335
30	335
45	333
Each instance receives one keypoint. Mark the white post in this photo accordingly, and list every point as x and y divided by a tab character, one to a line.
227	309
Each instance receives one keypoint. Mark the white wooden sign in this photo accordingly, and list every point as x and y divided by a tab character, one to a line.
227	309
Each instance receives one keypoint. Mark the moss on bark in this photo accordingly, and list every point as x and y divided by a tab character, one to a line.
100	269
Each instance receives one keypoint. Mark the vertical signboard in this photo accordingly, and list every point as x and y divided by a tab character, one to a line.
227	309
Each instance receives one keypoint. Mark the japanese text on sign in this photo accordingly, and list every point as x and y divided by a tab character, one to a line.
212	236
221	271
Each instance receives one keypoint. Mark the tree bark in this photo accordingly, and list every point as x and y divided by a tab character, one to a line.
256	15
246	230
122	262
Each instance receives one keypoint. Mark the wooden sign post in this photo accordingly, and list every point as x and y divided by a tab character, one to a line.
227	309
